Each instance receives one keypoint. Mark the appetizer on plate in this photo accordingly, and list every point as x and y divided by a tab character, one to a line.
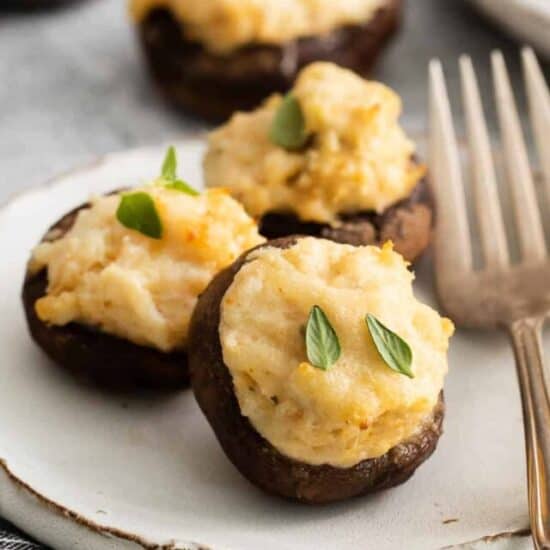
110	290
319	371
218	56
329	159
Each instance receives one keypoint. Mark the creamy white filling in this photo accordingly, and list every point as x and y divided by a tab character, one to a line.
224	25
359	408
359	157
129	285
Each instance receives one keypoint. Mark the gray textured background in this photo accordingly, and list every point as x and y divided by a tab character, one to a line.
72	85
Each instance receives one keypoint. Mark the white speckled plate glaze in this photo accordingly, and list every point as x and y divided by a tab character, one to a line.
80	468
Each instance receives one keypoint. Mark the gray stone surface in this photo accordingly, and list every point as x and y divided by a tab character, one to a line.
72	85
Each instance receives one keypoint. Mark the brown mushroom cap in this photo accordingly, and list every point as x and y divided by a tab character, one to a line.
408	224
254	456
96	356
214	86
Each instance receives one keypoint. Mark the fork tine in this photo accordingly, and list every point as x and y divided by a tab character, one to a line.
516	162
453	253
489	216
539	108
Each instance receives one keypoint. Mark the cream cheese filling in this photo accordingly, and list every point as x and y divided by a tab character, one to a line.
225	25
359	408
144	290
359	157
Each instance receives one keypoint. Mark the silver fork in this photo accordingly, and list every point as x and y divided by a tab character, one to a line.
512	296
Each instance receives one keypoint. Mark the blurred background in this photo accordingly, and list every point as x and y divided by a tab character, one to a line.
73	84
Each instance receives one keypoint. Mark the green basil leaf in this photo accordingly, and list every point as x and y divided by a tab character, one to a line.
184	187
137	211
170	177
170	165
395	352
288	129
322	344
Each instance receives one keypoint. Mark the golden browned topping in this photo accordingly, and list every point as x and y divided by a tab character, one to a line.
359	157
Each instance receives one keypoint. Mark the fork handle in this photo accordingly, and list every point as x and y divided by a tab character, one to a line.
526	340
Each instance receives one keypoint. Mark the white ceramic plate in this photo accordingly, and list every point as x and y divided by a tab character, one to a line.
84	469
527	19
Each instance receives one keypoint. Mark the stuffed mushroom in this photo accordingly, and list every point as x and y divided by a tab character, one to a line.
330	160
218	56
110	290
319	371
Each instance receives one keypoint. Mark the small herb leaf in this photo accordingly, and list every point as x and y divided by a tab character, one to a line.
170	176
137	211
288	129
322	344
182	186
170	165
395	352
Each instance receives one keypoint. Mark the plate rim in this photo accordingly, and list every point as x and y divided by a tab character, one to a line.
95	162
69	515
529	31
526	5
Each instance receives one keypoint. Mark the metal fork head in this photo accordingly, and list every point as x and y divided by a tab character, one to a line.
499	292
